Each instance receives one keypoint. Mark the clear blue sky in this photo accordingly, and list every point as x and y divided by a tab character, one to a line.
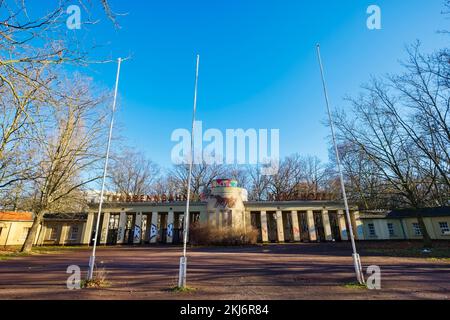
258	64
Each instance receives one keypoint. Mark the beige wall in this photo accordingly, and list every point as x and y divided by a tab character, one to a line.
432	225
13	232
381	229
404	229
61	233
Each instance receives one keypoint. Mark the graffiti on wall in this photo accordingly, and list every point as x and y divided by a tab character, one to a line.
137	234
170	230
225	203
153	231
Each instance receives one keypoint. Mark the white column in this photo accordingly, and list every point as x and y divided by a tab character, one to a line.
264	232
357	225
295	226
87	229
153	228
63	234
212	219
247	219
170	226
122	225
203	216
218	219
137	232
327	225
311	225
342	225
280	227
104	228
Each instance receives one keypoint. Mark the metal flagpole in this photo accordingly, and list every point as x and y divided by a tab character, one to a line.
105	170
183	259
356	258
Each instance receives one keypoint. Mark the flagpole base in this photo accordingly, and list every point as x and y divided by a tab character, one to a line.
91	268
182	273
358	269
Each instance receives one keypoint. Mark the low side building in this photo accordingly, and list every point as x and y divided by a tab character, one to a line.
56	229
403	224
14	227
62	229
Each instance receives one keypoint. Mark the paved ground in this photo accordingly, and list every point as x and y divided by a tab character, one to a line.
301	271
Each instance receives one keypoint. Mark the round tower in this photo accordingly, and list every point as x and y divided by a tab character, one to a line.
226	204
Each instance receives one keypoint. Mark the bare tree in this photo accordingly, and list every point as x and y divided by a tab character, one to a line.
32	46
19	112
132	173
380	136
68	140
364	185
258	184
284	185
202	177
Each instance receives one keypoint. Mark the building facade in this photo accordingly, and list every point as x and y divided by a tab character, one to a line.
145	220
140	221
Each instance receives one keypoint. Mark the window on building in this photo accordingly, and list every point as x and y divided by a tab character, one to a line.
417	230
372	232
52	233
74	230
391	229
24	234
445	230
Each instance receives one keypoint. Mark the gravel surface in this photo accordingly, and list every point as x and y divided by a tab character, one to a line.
297	271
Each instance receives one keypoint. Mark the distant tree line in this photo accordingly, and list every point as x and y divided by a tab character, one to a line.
394	137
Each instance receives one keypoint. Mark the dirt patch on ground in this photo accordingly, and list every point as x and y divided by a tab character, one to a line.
297	271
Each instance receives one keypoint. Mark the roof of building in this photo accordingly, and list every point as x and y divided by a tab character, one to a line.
66	216
16	216
426	212
374	214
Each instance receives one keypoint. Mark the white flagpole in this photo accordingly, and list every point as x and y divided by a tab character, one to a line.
183	259
356	258
105	170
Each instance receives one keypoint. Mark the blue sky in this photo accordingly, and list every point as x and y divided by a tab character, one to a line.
258	64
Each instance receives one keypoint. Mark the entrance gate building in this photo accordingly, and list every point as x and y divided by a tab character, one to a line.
140	222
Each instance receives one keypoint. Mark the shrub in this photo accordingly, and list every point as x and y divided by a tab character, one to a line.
98	280
202	234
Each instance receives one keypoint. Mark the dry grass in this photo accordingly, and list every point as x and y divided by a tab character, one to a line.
355	285
14	251
99	280
182	289
203	234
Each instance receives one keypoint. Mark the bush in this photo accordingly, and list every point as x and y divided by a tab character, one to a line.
202	234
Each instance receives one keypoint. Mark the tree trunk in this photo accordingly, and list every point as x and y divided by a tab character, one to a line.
28	244
427	243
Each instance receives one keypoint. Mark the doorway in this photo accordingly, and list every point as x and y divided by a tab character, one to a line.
334	223
255	218
162	227
320	230
272	227
303	225
91	242
129	230
287	227
113	228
